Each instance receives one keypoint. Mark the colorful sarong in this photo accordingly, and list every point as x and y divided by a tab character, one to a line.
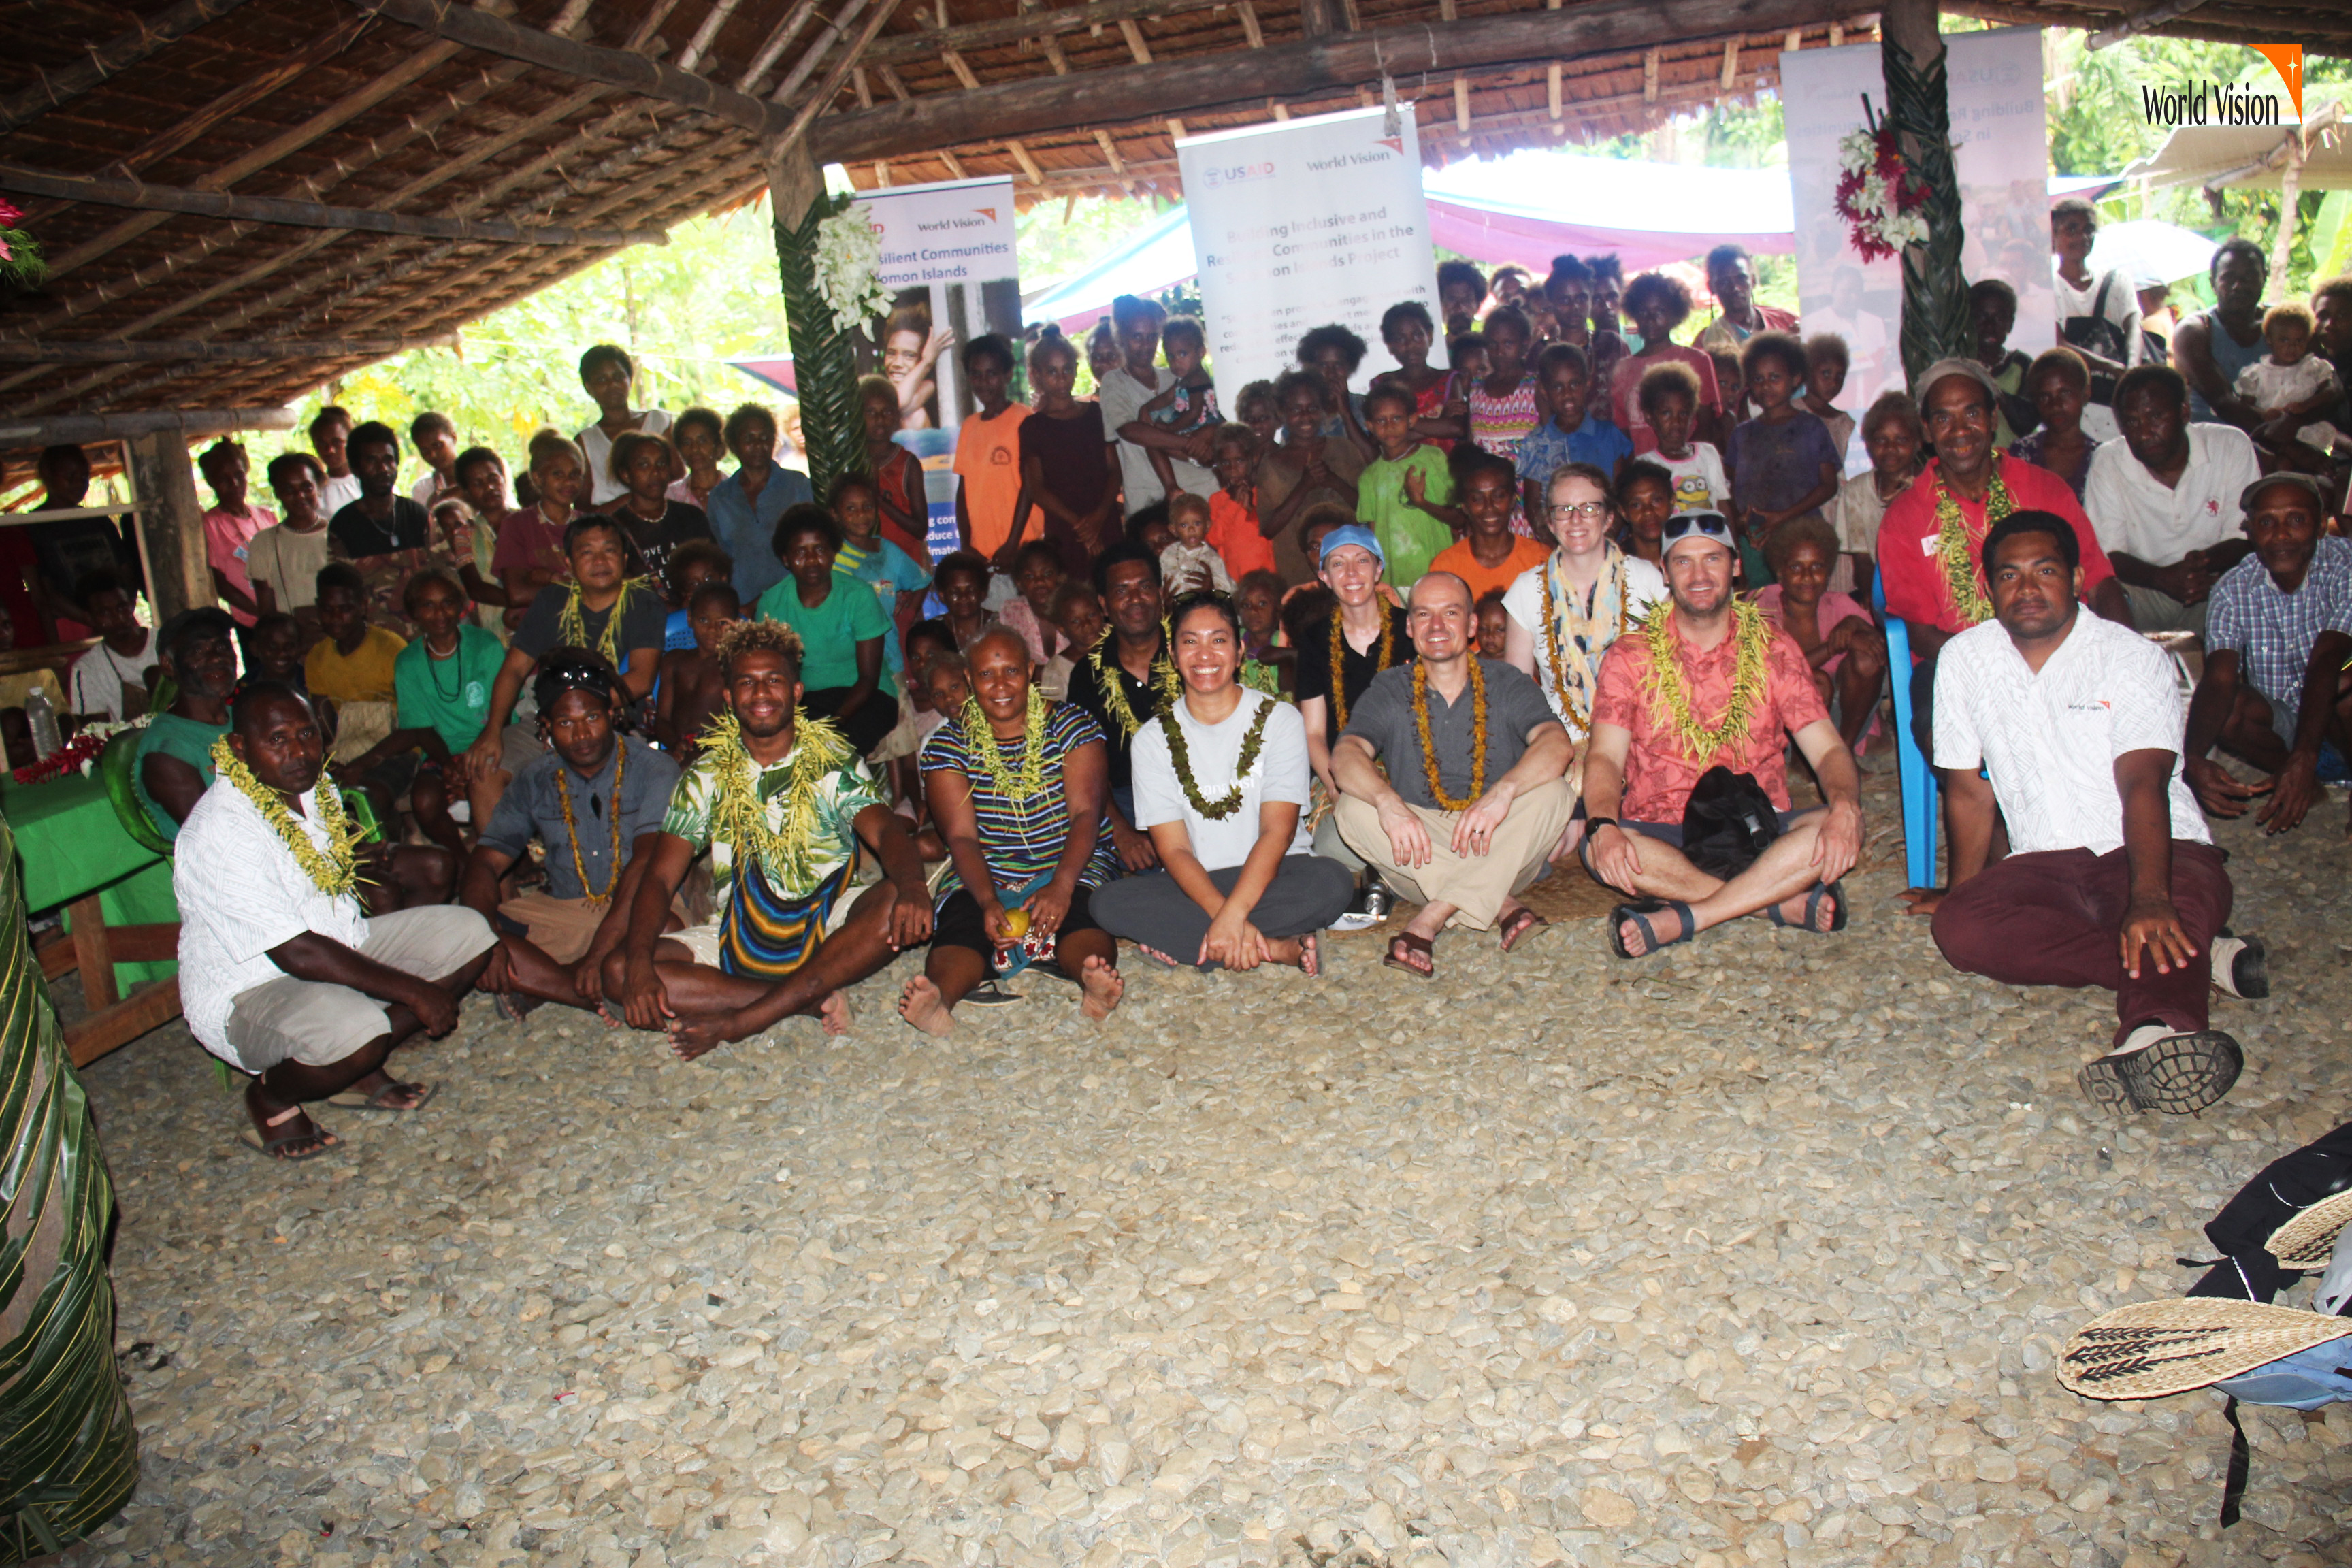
765	937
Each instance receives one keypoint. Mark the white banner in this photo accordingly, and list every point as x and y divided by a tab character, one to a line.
948	250
1301	224
2002	151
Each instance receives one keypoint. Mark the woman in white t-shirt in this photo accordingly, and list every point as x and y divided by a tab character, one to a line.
1220	783
607	371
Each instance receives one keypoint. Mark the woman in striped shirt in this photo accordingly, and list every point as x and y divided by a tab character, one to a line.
1018	787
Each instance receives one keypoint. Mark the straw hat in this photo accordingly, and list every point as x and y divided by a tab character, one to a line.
2150	1349
2307	1242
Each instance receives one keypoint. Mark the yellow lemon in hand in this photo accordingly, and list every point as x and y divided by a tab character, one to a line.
1016	923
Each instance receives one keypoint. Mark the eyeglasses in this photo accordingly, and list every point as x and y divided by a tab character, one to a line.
1582	511
1706	524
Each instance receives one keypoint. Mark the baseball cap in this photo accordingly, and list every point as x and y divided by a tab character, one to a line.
1357	534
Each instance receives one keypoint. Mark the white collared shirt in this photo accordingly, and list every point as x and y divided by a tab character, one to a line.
2132	511
2051	739
241	893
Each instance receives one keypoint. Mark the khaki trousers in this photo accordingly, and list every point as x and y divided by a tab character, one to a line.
1476	885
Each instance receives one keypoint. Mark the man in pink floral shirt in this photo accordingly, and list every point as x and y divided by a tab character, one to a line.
1658	729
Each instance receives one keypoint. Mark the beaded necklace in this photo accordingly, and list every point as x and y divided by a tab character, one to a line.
571	827
1477	737
334	871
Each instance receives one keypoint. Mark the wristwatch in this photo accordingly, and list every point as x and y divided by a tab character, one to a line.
1593	825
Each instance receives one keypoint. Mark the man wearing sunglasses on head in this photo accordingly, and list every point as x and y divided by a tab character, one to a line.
1706	683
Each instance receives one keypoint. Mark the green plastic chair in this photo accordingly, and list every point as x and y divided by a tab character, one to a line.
114	766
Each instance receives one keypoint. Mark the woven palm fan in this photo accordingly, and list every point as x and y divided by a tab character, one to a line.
2307	1242
2151	1349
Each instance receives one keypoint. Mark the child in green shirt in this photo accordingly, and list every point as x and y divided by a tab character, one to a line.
1405	496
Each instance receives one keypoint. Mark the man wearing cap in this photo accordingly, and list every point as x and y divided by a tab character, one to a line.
2163	497
1365	636
2112	879
174	763
1930	540
1450	775
1708	683
596	800
2276	689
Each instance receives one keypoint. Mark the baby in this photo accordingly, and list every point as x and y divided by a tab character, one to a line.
1182	563
1190	406
2290	384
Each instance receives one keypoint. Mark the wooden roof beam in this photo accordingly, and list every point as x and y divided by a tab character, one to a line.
1110	97
478	29
1040	22
145	197
112	58
167	351
189	422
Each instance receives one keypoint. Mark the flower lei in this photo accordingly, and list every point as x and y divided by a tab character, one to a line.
572	629
571	827
1962	576
1580	719
1751	636
982	742
738	813
333	872
1114	694
1878	193
1230	801
1477	741
1339	656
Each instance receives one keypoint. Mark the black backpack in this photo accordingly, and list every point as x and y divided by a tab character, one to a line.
1728	823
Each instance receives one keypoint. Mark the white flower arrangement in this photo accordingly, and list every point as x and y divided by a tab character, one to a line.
1877	194
849	262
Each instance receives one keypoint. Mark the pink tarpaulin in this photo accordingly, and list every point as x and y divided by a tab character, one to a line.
1486	235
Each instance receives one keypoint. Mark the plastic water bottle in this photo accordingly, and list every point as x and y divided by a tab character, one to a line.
41	718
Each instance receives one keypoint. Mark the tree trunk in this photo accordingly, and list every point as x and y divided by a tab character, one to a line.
1934	294
71	1454
824	368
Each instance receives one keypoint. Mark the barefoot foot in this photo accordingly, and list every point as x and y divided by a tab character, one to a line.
921	1006
1100	986
834	1014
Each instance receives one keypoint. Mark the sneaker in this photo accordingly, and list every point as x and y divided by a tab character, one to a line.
2242	966
2156	1069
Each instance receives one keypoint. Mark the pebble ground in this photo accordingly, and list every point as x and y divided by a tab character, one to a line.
1755	1255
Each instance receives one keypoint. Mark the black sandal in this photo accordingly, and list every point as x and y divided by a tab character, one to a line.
1640	913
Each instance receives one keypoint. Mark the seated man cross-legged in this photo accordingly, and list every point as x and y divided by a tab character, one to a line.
1451	721
282	973
2112	879
597	800
780	804
1709	683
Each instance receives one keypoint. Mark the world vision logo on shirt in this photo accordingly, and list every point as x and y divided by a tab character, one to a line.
2231	102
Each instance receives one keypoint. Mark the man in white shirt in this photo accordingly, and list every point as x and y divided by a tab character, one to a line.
2163	497
282	974
112	681
1125	391
2112	879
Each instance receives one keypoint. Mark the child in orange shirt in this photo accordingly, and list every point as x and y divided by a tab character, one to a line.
1233	512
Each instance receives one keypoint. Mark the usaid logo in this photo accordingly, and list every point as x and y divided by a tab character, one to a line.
1218	175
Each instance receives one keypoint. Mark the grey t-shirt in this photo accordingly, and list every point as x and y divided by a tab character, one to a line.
1122	398
645	623
531	807
1384	719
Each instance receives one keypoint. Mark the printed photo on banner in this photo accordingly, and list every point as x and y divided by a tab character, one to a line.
948	256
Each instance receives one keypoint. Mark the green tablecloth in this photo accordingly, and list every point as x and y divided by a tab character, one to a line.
69	844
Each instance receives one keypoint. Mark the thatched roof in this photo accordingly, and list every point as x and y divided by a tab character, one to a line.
252	196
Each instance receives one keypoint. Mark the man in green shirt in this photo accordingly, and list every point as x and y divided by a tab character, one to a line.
173	766
841	625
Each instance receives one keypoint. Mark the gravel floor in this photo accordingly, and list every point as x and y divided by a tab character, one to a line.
1759	1255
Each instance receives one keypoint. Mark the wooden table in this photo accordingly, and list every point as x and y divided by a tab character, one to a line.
124	927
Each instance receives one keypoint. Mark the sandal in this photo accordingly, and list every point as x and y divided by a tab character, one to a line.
1515	929
1640	913
1411	943
311	1133
1813	909
353	1099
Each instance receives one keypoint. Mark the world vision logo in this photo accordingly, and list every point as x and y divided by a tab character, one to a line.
2230	102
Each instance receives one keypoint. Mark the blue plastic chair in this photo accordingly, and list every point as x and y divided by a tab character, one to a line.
1920	803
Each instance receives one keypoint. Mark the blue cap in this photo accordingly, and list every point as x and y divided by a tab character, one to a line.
1357	534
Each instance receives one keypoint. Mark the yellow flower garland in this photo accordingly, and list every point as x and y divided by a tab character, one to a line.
1961	574
1114	695
1751	636
981	741
572	826
1339	660
738	813
333	872
1581	718
1478	737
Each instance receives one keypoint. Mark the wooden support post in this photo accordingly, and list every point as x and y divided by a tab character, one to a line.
2290	193
172	521
1919	105
833	434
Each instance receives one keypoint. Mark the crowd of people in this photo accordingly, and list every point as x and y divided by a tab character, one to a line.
699	749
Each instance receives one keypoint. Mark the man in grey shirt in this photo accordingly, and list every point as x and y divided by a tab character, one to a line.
1462	828
592	798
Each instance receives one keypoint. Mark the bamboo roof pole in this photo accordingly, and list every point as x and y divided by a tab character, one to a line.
115	351
110	58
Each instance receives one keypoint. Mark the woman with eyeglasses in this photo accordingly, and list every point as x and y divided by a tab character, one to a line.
1566	613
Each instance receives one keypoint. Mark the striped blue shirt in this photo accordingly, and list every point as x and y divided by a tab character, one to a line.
1023	840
